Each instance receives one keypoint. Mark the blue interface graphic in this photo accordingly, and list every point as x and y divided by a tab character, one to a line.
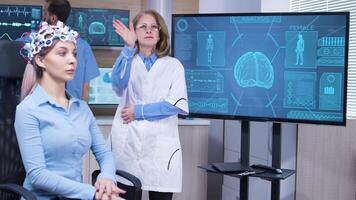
100	90
95	25
16	20
279	67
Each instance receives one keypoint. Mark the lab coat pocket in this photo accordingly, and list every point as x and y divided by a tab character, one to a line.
169	155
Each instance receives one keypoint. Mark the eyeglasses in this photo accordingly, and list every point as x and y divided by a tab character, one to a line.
144	27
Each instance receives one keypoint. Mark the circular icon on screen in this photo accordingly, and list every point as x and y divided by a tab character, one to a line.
182	25
331	78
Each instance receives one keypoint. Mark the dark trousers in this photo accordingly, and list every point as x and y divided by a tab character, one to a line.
160	195
129	195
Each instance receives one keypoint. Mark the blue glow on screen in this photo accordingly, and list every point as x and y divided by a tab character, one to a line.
100	90
16	20
95	25
277	67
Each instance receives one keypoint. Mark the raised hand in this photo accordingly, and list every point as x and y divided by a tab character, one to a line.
128	35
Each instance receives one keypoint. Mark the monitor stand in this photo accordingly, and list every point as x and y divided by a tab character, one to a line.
276	158
245	157
267	175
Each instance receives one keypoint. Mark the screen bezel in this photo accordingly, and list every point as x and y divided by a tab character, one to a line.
257	118
95	46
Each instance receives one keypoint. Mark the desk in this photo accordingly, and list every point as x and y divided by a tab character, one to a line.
194	140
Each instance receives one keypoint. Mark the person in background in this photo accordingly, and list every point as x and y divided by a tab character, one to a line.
87	68
152	89
55	129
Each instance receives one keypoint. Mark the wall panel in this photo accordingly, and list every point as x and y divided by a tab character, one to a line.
326	162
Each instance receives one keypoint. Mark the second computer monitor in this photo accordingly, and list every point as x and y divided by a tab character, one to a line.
95	25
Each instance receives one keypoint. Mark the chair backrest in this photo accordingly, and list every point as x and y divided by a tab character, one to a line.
12	66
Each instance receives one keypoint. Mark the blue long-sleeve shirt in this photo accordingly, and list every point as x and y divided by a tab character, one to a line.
120	77
53	141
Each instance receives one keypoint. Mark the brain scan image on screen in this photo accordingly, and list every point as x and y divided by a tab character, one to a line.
284	67
96	28
253	69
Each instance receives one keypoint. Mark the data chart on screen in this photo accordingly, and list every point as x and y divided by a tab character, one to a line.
18	20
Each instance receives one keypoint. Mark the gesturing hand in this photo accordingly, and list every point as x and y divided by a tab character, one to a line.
107	190
128	35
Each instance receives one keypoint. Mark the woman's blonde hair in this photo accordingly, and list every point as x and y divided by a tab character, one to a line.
33	73
162	47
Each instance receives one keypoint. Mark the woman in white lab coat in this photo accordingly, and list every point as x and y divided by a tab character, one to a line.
152	89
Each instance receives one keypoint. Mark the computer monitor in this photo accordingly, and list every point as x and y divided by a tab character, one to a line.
285	67
16	20
95	25
101	94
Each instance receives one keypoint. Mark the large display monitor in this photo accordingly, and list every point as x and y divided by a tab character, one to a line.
16	20
95	25
286	67
101	94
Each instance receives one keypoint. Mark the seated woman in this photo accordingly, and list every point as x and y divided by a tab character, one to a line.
54	130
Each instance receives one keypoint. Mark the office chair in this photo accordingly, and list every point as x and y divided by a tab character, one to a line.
12	172
133	192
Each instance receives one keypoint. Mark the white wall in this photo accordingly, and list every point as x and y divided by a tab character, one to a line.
274	5
233	6
326	162
163	7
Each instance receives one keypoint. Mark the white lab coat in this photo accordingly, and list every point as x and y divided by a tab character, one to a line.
151	150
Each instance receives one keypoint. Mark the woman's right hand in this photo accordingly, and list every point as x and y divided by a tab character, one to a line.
106	189
128	35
